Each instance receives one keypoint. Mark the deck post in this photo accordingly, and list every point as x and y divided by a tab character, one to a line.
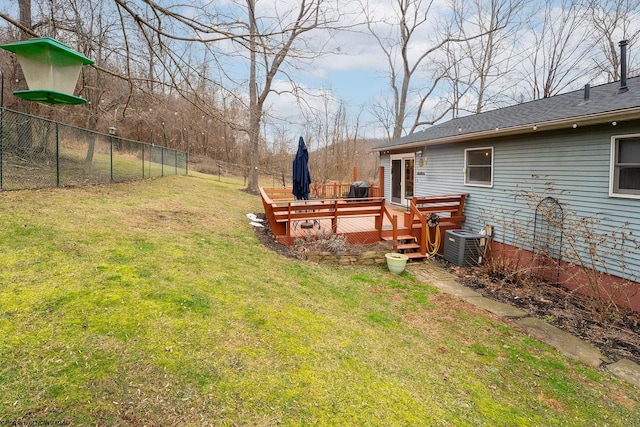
425	229
379	218
394	224
334	219
288	220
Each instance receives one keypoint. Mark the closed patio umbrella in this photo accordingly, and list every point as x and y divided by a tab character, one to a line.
301	177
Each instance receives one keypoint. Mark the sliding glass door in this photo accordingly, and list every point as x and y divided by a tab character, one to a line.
402	172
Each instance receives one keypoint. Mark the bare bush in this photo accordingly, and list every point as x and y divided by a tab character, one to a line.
590	257
324	241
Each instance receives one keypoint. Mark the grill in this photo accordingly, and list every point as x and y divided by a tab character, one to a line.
359	189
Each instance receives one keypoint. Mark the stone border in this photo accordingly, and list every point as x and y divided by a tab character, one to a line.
354	255
560	340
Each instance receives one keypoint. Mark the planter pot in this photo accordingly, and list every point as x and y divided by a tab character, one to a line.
396	262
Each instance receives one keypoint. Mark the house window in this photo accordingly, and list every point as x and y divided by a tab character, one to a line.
625	166
478	167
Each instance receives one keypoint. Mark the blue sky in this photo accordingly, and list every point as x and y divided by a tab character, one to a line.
354	75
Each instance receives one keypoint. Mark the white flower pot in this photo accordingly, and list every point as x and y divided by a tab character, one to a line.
396	262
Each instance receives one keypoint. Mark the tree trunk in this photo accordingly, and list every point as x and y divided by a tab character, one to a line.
25	17
92	120
25	21
254	111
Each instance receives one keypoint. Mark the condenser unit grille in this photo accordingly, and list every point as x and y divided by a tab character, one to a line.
464	248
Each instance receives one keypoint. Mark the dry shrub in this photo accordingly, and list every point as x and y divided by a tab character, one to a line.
587	256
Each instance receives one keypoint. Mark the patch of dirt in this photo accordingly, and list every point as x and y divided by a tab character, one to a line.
266	237
617	339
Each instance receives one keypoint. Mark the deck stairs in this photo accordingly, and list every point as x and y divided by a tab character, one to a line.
407	244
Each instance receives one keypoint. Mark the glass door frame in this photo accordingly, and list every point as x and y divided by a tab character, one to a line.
402	188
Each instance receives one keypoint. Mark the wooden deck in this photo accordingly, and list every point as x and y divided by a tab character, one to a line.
364	220
361	220
346	225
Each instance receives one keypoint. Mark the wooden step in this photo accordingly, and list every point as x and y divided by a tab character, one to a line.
407	246
400	238
415	256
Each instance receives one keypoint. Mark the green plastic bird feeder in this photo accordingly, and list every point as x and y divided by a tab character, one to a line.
51	69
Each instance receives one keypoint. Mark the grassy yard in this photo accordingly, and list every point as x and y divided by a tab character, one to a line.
153	303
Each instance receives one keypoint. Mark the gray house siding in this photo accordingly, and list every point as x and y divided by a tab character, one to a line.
385	162
574	162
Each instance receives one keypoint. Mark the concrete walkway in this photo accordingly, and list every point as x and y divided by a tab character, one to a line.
562	341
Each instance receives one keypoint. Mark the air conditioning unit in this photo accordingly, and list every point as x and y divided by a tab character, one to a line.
464	248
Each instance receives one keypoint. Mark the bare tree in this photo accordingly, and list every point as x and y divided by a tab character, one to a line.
413	26
410	17
157	40
266	38
555	59
318	120
334	135
484	61
612	21
267	56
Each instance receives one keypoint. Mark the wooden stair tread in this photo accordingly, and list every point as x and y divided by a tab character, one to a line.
415	255
404	246
403	237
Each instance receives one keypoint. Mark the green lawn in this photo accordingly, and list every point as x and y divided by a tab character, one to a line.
153	303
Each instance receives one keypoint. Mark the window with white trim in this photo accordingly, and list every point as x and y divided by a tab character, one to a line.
478	167
625	166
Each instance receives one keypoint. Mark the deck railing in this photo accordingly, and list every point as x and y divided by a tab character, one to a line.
339	189
336	190
283	212
448	211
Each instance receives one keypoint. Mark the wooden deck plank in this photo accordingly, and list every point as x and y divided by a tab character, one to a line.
346	225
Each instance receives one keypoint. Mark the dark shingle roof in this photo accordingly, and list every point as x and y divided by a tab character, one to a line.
604	100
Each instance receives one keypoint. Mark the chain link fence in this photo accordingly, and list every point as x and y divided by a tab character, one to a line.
269	176
40	153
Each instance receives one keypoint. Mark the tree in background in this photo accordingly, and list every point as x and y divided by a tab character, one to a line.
447	59
556	58
414	43
609	22
484	61
202	78
271	42
396	36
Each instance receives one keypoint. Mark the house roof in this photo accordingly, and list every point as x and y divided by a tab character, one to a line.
605	103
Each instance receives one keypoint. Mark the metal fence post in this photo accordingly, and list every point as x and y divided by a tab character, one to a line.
1	120
1	135
57	155
175	155
142	161
162	162
111	155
